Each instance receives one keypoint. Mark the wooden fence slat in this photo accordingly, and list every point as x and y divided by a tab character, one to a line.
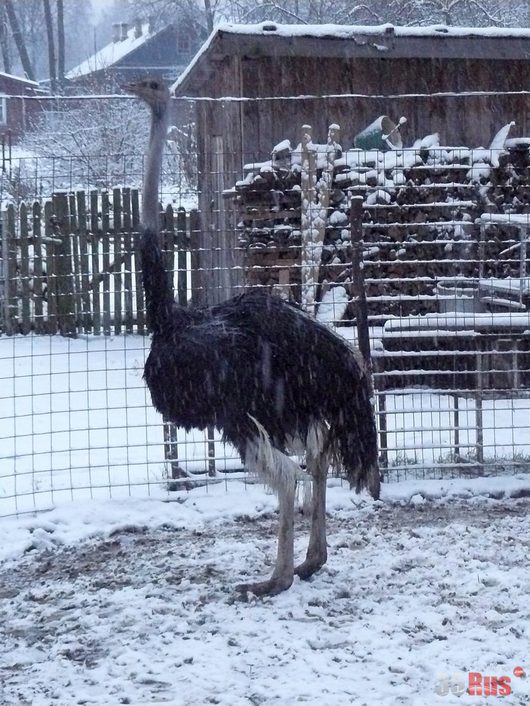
4	290
10	248
105	242
94	256
140	305
118	257
73	235
65	282
51	273
84	280
38	269
25	324
128	260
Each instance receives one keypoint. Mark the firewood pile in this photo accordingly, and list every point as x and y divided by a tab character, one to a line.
420	207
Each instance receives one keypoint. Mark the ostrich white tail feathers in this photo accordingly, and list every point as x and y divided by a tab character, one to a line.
317	439
272	466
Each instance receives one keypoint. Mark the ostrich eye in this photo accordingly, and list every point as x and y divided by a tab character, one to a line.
153	85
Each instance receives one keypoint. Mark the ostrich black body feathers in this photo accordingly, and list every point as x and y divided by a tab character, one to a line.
256	357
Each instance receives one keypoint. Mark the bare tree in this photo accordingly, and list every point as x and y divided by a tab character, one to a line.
198	15
401	12
19	39
60	42
4	41
48	20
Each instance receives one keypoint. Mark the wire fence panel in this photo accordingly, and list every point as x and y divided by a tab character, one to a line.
445	288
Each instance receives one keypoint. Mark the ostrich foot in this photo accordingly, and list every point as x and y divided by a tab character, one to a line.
310	566
275	585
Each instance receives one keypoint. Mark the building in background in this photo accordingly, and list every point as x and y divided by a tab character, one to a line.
18	105
135	51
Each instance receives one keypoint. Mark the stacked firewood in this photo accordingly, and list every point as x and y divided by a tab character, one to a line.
420	207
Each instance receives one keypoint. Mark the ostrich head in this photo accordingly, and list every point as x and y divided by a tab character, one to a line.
153	91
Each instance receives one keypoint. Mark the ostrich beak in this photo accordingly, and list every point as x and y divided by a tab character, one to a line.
129	87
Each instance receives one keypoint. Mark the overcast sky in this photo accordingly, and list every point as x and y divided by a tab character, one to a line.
100	5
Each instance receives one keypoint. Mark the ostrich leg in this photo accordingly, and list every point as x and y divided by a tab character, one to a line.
317	552
282	576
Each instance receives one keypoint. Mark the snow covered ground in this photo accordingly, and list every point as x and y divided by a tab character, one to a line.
133	601
110	599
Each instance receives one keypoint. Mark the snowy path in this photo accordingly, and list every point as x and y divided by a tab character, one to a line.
148	614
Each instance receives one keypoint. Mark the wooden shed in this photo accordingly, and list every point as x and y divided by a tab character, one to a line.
15	111
269	79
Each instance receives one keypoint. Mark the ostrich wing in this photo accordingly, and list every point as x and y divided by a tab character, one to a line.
257	357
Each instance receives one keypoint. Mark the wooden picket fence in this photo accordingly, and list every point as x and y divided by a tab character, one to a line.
70	265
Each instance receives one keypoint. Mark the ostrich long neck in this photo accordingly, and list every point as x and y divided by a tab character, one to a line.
156	280
153	166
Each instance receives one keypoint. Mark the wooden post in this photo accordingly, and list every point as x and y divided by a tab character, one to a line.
25	324
84	278
51	268
63	264
94	252
363	330
9	271
38	274
117	254
73	232
171	454
128	258
170	430
10	247
221	255
105	271
356	227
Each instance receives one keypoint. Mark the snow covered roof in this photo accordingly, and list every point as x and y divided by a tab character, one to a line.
351	31
112	53
22	79
347	41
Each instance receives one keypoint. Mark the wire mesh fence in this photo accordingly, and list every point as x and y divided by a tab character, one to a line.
446	285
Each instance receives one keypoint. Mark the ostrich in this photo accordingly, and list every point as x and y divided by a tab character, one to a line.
264	373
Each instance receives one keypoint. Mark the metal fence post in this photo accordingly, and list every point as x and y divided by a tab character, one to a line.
356	208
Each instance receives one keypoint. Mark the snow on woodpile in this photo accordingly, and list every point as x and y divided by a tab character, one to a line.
420	208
